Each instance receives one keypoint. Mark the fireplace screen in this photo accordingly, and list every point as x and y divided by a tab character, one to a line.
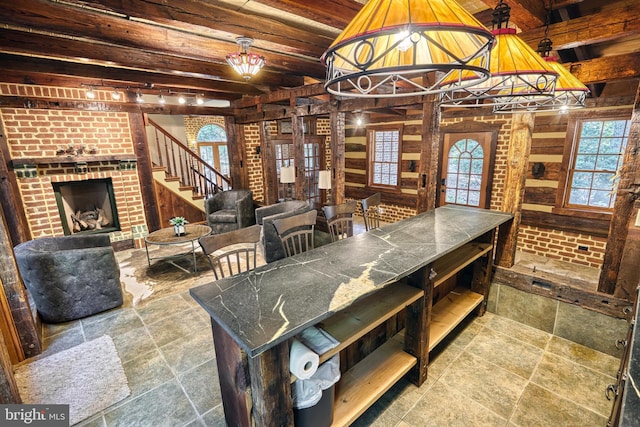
87	206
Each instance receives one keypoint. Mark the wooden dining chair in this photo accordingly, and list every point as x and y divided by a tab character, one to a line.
371	211
340	219
296	232
232	252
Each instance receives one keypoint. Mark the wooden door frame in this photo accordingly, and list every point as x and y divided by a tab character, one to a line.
470	127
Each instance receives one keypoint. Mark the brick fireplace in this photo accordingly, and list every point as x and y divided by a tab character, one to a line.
50	148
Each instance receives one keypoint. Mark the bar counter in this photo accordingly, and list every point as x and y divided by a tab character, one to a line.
407	270
272	303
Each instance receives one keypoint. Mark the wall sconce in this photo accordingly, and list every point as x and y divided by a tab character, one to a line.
139	97
90	93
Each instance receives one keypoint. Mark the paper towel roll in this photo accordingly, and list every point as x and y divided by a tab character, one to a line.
303	362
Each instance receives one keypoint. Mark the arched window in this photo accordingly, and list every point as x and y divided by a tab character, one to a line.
212	146
211	133
464	173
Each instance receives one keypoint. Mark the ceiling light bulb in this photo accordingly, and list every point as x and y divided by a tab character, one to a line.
115	95
199	100
359	121
90	93
182	99
405	44
161	99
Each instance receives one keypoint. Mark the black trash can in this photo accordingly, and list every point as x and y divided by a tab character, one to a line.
318	415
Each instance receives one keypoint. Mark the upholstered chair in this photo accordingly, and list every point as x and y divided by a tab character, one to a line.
70	277
229	210
271	246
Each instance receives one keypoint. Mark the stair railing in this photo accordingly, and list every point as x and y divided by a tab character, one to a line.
180	161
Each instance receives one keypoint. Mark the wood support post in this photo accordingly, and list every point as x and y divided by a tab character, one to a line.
337	145
297	127
237	153
22	321
14	214
145	171
517	161
256	391
418	318
628	192
267	156
429	155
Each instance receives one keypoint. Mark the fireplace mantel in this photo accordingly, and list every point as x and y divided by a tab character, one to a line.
70	159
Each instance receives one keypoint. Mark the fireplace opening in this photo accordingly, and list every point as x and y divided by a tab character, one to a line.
87	206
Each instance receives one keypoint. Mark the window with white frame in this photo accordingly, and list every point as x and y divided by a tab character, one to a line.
384	148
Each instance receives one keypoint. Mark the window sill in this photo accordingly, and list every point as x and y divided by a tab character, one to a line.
582	213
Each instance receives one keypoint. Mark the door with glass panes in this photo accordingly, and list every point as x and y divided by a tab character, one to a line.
466	169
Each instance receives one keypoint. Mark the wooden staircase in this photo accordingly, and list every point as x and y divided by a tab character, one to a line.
182	178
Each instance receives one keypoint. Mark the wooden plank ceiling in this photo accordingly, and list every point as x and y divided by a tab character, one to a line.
179	46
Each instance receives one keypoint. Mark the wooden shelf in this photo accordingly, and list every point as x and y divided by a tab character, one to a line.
367	381
455	261
450	311
71	159
348	325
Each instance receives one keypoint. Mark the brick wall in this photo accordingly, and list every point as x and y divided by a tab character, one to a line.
253	160
193	124
562	246
36	134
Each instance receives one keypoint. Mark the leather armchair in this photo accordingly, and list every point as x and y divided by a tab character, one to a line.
229	210
271	244
70	277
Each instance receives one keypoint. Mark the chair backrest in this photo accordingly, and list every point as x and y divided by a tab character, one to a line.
232	252
371	211
340	219
296	232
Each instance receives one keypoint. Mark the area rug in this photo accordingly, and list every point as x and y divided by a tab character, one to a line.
88	377
143	283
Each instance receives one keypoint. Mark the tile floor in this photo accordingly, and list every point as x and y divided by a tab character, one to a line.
492	372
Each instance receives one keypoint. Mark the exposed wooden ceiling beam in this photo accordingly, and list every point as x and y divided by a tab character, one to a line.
128	107
67	49
607	69
526	14
31	70
621	20
320	11
60	19
219	20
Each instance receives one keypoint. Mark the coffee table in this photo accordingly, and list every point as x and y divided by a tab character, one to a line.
167	237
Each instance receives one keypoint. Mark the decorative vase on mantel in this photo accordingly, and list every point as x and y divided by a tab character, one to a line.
179	223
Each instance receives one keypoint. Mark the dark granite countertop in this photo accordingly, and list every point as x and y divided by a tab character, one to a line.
265	306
